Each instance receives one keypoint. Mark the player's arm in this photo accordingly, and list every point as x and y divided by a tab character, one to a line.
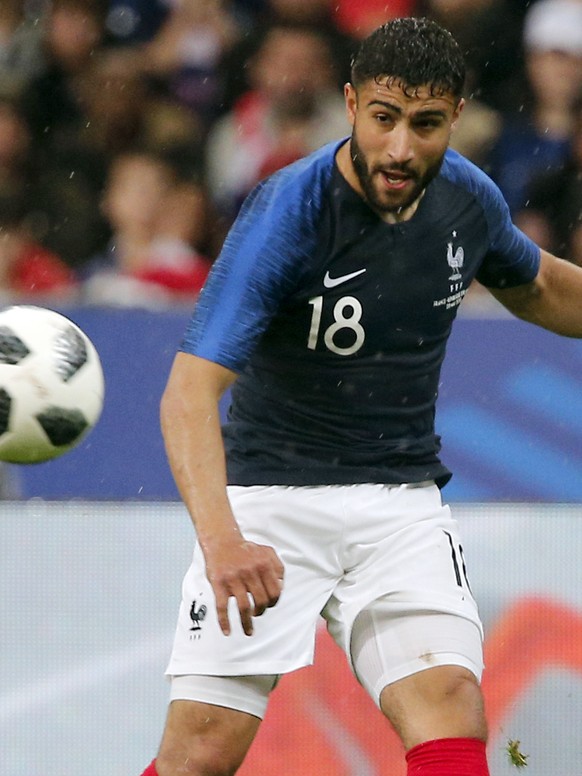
190	422
552	300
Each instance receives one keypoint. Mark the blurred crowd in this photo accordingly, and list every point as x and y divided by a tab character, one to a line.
131	130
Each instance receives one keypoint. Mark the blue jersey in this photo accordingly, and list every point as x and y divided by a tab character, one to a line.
337	322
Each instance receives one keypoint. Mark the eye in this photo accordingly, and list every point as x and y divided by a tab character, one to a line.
428	123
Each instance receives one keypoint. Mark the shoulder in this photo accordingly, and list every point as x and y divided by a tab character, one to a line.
300	186
464	174
285	207
459	171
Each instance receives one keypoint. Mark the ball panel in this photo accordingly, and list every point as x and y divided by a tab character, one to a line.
5	404
70	353
62	426
12	349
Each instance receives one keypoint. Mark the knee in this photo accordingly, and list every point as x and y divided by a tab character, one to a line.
448	685
441	702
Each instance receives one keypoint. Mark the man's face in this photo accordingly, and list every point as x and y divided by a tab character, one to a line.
291	70
398	141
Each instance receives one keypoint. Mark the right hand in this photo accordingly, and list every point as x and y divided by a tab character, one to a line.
251	573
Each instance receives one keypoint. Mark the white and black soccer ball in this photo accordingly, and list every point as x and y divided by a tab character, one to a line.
51	384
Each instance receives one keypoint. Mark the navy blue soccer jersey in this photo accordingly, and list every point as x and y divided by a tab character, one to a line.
337	322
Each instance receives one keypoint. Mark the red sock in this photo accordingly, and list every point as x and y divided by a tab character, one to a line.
448	757
151	769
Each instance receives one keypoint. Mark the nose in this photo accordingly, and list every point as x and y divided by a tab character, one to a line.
399	144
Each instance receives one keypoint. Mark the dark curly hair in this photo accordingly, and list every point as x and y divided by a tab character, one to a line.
411	52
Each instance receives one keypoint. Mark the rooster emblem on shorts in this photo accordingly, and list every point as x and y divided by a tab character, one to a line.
456	260
197	615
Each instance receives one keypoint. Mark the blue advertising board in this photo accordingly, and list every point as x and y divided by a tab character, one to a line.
509	413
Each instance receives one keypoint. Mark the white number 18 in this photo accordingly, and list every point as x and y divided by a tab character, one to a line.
341	321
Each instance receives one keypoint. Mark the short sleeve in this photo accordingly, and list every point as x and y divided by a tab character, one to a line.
266	252
512	259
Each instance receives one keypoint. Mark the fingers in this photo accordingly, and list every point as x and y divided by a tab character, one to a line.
249	605
222	612
268	585
245	606
268	591
244	602
255	589
267	597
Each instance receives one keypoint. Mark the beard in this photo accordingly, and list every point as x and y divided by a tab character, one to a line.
388	203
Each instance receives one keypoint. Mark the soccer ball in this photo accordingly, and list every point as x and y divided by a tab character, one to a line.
51	384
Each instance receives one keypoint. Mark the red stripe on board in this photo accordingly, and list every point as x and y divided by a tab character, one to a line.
535	634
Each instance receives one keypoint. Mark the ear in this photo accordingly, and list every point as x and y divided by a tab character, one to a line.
457	113
351	99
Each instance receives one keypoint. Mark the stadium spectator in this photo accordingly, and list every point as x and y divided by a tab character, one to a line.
293	108
112	96
553	215
72	30
536	137
156	218
28	270
314	14
186	54
20	47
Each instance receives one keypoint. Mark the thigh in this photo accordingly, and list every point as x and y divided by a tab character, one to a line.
406	559
205	738
388	645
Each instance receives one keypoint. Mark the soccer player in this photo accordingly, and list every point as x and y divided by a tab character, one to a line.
328	313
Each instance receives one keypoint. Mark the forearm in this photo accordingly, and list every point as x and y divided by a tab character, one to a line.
190	421
553	300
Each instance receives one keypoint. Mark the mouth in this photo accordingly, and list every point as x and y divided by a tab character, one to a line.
395	180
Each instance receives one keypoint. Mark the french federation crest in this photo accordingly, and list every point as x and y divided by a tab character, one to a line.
455	260
197	615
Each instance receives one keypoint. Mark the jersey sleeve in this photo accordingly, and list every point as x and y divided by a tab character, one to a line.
264	255
512	258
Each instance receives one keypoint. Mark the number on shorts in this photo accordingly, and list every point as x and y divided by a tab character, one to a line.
459	565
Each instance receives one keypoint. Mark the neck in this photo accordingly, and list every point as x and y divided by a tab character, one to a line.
404	214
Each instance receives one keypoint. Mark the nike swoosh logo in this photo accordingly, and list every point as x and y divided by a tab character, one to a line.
330	282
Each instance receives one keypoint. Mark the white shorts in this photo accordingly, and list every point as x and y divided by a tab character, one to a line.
387	551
